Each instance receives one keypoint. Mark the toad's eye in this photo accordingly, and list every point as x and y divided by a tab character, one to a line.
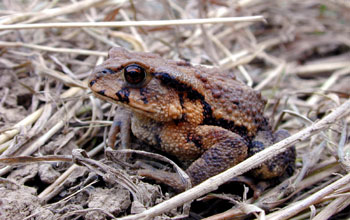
134	74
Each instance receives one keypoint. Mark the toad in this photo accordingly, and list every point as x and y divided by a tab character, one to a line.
200	115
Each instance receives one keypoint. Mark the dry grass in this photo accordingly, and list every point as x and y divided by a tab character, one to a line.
297	53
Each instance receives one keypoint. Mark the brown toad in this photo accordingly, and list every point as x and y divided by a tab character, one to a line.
195	113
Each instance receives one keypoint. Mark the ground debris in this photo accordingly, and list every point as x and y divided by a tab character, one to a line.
298	58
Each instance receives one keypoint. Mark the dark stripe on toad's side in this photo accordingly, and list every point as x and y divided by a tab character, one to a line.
170	81
92	82
229	125
181	100
102	92
143	92
123	95
207	111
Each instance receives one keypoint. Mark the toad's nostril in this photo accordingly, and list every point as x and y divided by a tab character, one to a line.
107	71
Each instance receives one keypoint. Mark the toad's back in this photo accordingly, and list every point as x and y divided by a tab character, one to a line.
233	104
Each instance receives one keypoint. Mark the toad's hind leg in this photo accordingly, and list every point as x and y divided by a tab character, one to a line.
224	150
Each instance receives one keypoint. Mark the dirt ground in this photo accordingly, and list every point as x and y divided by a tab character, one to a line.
54	163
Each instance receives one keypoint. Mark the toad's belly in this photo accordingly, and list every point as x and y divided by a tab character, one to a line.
147	130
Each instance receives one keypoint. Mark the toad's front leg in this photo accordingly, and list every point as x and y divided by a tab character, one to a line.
121	126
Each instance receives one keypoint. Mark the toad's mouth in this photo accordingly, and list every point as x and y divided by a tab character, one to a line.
129	104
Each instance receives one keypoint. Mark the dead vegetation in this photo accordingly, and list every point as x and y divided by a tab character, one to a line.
53	159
